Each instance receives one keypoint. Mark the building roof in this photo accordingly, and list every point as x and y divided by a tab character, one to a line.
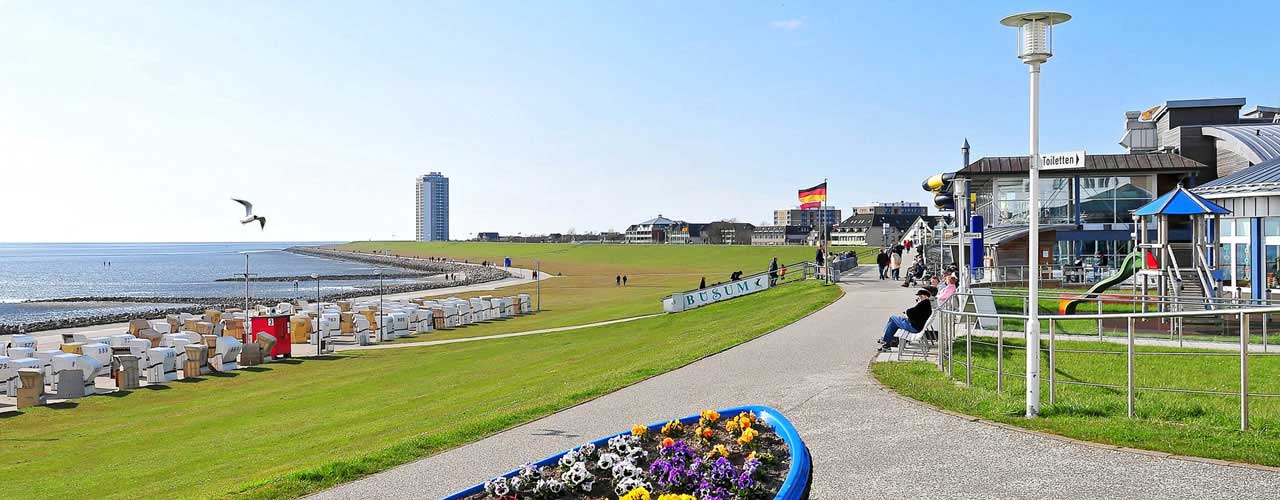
1001	234
897	221
658	221
1257	142
1258	178
1180	202
1140	161
1196	103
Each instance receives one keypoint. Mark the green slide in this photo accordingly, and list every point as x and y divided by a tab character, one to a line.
1130	265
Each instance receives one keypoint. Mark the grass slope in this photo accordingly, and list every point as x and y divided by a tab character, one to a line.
1184	424
586	291
287	429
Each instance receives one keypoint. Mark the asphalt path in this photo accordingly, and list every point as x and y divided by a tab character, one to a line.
865	441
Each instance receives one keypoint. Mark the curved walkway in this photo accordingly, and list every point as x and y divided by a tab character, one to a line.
488	337
866	442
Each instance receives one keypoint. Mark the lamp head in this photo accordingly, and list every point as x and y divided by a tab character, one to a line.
1035	34
315	276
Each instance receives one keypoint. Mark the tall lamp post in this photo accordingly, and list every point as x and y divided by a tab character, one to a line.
319	339
1035	47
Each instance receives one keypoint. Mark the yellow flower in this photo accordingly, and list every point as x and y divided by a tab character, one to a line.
705	432
673	496
710	415
672	428
747	436
636	494
731	425
639	430
718	450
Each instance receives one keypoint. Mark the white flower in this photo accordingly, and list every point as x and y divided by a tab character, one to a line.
607	461
587	449
555	486
569	458
626	485
497	486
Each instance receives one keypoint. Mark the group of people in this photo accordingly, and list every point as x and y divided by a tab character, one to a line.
915	318
620	279
890	263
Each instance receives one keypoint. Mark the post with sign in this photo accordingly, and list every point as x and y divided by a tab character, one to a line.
1062	161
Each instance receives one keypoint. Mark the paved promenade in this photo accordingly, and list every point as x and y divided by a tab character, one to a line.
866	443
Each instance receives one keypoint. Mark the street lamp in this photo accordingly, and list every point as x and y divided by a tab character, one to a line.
1035	46
381	311
319	340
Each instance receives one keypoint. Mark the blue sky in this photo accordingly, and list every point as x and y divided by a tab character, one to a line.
137	121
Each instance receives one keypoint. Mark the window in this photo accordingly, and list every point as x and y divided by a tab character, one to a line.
1110	199
1013	196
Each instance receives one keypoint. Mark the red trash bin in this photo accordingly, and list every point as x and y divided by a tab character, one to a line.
278	327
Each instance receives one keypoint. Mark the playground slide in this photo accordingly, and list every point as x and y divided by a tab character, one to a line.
1130	265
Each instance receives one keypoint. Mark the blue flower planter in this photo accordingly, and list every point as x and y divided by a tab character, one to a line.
796	486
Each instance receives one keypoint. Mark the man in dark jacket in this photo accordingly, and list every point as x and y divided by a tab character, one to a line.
773	272
912	320
882	261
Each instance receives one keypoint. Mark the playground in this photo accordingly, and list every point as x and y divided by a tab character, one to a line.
1162	354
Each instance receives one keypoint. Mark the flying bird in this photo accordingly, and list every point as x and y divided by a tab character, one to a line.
248	214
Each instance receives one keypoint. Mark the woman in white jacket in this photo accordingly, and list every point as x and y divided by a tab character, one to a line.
895	265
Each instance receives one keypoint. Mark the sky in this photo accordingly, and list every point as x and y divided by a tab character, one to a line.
138	121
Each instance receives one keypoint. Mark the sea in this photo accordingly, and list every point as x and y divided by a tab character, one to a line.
35	272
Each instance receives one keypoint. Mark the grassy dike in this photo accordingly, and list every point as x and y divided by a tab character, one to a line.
1177	423
586	291
290	428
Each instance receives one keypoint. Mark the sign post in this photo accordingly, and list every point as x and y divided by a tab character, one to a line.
1062	161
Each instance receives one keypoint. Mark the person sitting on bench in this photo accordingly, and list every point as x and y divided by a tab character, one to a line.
912	320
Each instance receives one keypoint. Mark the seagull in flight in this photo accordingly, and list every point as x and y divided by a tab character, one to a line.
248	214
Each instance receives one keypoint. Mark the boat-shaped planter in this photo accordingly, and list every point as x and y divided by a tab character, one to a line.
794	487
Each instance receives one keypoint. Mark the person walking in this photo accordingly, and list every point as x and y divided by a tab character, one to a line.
773	271
703	285
617	280
895	265
624	280
882	262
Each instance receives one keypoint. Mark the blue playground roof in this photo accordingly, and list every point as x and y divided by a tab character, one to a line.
1180	202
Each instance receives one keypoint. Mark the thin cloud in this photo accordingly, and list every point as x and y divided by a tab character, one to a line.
788	24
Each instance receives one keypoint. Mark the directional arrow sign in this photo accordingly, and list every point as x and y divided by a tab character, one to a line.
1062	161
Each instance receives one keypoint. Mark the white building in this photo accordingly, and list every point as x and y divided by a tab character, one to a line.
432	213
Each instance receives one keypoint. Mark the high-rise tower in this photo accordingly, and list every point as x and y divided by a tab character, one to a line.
432	215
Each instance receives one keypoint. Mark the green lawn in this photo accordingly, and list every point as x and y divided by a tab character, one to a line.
586	290
1180	423
290	428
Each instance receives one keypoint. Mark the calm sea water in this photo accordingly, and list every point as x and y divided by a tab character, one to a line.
36	271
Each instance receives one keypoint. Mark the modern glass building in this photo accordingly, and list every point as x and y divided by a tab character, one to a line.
432	213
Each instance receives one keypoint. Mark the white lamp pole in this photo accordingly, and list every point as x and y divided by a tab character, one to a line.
1035	46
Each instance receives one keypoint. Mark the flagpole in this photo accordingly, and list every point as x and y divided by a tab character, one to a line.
826	197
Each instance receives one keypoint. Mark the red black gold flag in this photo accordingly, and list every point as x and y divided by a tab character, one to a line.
813	197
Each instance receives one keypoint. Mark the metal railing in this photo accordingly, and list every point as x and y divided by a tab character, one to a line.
956	325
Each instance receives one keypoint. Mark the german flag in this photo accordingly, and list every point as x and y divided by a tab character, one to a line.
813	197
